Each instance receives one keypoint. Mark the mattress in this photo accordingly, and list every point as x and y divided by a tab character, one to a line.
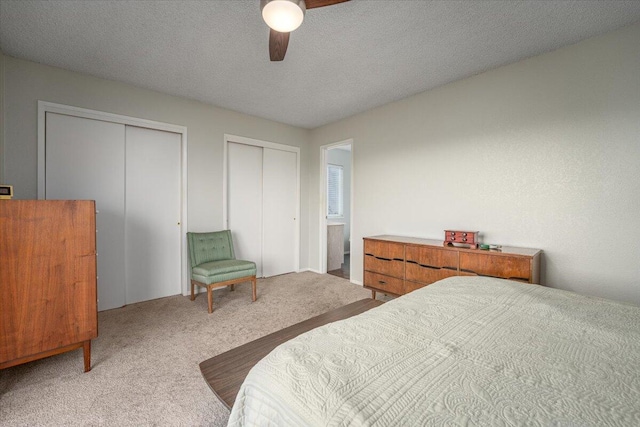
462	351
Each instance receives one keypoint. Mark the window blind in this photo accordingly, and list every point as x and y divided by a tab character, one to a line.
334	191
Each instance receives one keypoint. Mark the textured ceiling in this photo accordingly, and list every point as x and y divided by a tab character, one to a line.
343	60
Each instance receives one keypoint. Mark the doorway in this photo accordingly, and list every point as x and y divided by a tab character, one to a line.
336	208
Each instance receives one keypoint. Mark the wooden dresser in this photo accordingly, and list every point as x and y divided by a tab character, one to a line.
48	293
397	265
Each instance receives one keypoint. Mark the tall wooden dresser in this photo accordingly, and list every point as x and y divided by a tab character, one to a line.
48	292
397	265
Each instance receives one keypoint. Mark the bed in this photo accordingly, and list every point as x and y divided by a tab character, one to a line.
462	351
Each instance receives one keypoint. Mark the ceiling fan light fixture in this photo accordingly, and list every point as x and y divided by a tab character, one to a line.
283	15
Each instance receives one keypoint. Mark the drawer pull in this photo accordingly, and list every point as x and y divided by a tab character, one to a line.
520	279
385	259
382	282
444	267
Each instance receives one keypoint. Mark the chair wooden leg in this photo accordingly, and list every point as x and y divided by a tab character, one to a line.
253	285
192	295
232	287
210	298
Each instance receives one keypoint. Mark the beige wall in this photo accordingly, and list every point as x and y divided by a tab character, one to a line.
2	180
543	153
27	82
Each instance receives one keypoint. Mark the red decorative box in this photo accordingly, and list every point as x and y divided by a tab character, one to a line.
464	237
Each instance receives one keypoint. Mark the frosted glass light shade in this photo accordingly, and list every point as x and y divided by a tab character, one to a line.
283	15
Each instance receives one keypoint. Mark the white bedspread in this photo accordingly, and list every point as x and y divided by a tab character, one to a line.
463	351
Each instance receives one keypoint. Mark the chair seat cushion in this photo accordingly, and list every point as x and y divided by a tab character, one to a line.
221	271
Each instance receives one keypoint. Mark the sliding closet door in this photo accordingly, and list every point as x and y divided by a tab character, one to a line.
85	160
244	201
279	190
261	206
152	214
134	175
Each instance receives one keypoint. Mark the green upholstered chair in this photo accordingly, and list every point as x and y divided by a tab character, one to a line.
214	265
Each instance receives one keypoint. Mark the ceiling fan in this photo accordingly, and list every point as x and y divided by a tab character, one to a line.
284	16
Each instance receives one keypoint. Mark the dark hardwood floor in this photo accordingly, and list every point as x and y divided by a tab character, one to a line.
345	269
225	372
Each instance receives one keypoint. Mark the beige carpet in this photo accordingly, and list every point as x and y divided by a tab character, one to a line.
145	360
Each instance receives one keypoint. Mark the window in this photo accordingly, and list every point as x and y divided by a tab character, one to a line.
334	191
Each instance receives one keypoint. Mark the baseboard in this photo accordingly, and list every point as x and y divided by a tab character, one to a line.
355	282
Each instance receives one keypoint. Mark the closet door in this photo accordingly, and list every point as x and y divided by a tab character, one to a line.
244	201
134	175
152	214
85	160
261	206
279	195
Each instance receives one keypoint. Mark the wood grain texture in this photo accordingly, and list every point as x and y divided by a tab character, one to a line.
225	372
312	4
505	267
278	43
231	283
48	293
427	261
384	257
387	284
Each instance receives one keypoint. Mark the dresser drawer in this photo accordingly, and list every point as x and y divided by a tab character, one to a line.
503	266
382	283
412	286
426	275
427	264
384	266
384	257
382	249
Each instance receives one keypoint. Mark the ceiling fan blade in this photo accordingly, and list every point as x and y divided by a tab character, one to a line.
278	43
311	4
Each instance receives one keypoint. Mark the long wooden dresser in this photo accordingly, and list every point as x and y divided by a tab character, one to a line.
48	294
397	265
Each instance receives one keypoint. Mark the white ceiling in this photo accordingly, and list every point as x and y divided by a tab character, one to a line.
343	60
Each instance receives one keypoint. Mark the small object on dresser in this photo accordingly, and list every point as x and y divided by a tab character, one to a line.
463	237
6	192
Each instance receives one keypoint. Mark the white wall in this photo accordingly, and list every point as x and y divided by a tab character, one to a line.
542	153
26	82
337	156
2	181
